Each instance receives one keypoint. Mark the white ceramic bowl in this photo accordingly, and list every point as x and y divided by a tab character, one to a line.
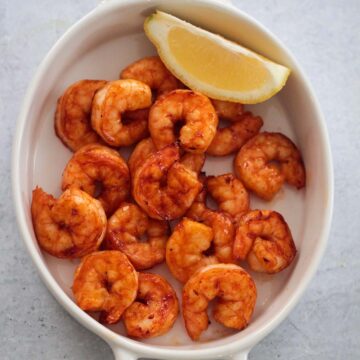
98	46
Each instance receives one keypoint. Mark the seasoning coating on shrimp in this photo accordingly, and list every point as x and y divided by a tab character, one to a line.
255	164
198	207
68	227
152	71
231	138
109	105
221	225
264	239
95	165
187	246
163	187
146	147
228	110
125	228
105	281
223	231
193	162
191	107
155	312
229	193
141	152
236	292
73	114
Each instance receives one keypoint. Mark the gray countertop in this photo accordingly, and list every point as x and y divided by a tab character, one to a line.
325	325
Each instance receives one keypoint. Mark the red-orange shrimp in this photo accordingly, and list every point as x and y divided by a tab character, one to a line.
111	103
105	281
236	293
73	114
68	227
264	240
191	107
266	161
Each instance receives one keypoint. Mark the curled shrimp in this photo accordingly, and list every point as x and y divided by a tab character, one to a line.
146	147
233	286
101	172
68	227
229	193
156	309
264	239
187	247
231	138
152	71
163	187
125	228
266	161
73	114
191	107
110	105
105	281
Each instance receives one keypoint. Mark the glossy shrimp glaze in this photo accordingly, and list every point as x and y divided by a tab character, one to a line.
73	114
268	160
68	227
163	187
109	108
155	309
197	113
234	289
101	172
105	281
125	230
264	240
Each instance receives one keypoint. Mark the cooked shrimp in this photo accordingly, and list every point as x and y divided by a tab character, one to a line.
198	207
125	228
255	164
105	281
193	162
221	225
194	109
236	292
163	187
73	114
228	110
155	312
231	138
187	247
146	147
142	151
151	71
101	172
264	239
68	227
109	105
229	193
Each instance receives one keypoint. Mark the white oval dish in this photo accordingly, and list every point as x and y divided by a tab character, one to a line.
99	46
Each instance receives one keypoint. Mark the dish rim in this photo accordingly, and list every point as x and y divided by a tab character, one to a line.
55	289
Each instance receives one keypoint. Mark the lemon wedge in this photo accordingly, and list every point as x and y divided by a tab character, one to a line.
211	64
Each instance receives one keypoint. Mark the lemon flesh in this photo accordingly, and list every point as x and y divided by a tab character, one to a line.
215	66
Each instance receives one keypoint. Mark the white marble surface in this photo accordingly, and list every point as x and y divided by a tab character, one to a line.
325	37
